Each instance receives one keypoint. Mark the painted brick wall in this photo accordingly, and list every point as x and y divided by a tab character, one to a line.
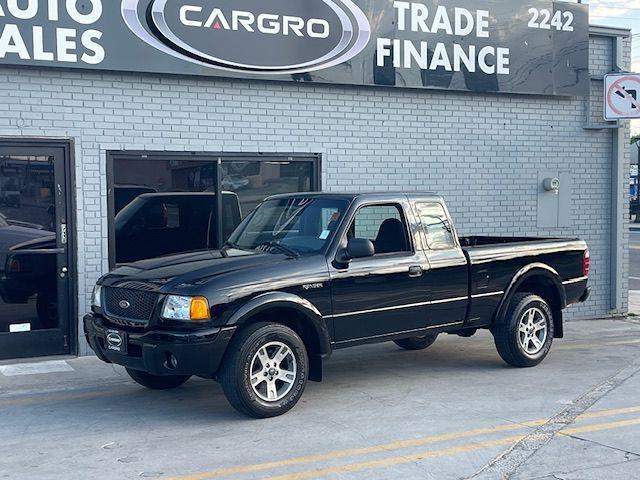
482	152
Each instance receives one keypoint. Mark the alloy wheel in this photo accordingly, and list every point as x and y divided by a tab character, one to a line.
273	371
532	331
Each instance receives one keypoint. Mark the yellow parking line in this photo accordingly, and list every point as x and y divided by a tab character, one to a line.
469	447
388	462
608	413
600	426
397	445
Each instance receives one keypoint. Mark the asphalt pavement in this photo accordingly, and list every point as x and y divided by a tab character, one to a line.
453	411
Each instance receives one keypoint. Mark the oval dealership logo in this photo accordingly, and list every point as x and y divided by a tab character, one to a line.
268	37
114	339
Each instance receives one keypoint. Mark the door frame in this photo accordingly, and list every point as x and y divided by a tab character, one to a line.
214	157
67	145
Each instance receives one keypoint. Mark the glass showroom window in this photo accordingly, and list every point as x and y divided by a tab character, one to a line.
166	204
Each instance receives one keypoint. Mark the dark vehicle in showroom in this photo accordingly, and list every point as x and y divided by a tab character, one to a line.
158	224
306	274
123	194
151	225
22	275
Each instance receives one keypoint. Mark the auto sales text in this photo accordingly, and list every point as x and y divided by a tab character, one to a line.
39	42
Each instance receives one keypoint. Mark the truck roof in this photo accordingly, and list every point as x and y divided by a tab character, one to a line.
182	194
368	195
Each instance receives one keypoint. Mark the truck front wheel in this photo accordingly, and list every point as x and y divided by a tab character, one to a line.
524	337
157	382
265	370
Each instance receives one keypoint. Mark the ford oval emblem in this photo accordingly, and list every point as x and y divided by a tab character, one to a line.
275	37
124	304
114	339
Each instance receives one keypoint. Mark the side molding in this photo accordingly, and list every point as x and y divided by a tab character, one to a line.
270	300
531	270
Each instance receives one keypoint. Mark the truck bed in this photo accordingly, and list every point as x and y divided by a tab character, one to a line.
481	241
479	249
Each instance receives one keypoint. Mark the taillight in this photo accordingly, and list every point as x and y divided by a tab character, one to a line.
586	263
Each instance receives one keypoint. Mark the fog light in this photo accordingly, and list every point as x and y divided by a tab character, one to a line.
171	361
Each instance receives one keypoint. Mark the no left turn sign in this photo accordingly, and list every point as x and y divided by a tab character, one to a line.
621	96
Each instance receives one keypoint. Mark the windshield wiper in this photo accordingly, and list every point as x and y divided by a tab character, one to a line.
279	246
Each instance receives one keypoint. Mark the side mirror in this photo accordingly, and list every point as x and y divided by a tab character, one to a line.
356	248
360	248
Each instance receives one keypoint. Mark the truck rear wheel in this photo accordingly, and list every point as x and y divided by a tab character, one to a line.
417	343
157	382
524	337
265	370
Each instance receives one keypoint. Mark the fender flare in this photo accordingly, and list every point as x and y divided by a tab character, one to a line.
266	301
528	271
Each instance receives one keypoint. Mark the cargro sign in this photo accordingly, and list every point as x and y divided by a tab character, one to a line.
532	46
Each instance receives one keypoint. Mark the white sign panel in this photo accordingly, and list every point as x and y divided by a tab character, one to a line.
621	96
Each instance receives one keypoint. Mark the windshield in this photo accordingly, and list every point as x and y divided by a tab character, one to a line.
302	224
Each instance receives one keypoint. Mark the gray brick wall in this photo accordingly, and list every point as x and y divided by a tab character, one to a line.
482	152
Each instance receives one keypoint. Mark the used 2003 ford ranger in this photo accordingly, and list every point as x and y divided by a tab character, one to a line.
306	274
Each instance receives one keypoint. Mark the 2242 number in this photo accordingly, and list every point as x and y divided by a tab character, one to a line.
562	21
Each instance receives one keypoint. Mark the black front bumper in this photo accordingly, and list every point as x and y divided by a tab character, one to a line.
163	352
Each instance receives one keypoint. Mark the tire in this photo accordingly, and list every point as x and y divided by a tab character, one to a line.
157	382
514	336
273	393
417	343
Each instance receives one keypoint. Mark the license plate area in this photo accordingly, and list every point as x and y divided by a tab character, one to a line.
116	341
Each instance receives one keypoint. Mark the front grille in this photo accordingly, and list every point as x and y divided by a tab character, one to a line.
140	304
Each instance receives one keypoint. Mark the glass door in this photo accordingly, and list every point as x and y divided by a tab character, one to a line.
34	264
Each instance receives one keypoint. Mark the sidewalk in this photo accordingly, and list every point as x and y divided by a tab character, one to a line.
454	410
634	302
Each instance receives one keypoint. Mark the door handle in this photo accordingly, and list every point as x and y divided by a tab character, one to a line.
415	271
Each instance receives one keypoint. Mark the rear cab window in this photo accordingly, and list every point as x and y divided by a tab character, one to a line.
436	226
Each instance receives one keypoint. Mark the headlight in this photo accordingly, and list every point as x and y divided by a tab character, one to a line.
186	308
96	297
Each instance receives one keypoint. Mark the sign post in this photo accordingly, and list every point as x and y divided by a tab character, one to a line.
621	96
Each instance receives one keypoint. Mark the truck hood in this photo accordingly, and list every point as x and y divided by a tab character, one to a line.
193	268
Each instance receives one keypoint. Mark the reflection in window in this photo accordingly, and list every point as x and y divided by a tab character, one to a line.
253	181
436	225
167	206
28	278
302	224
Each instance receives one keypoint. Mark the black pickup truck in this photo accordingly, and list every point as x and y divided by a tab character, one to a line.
306	274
